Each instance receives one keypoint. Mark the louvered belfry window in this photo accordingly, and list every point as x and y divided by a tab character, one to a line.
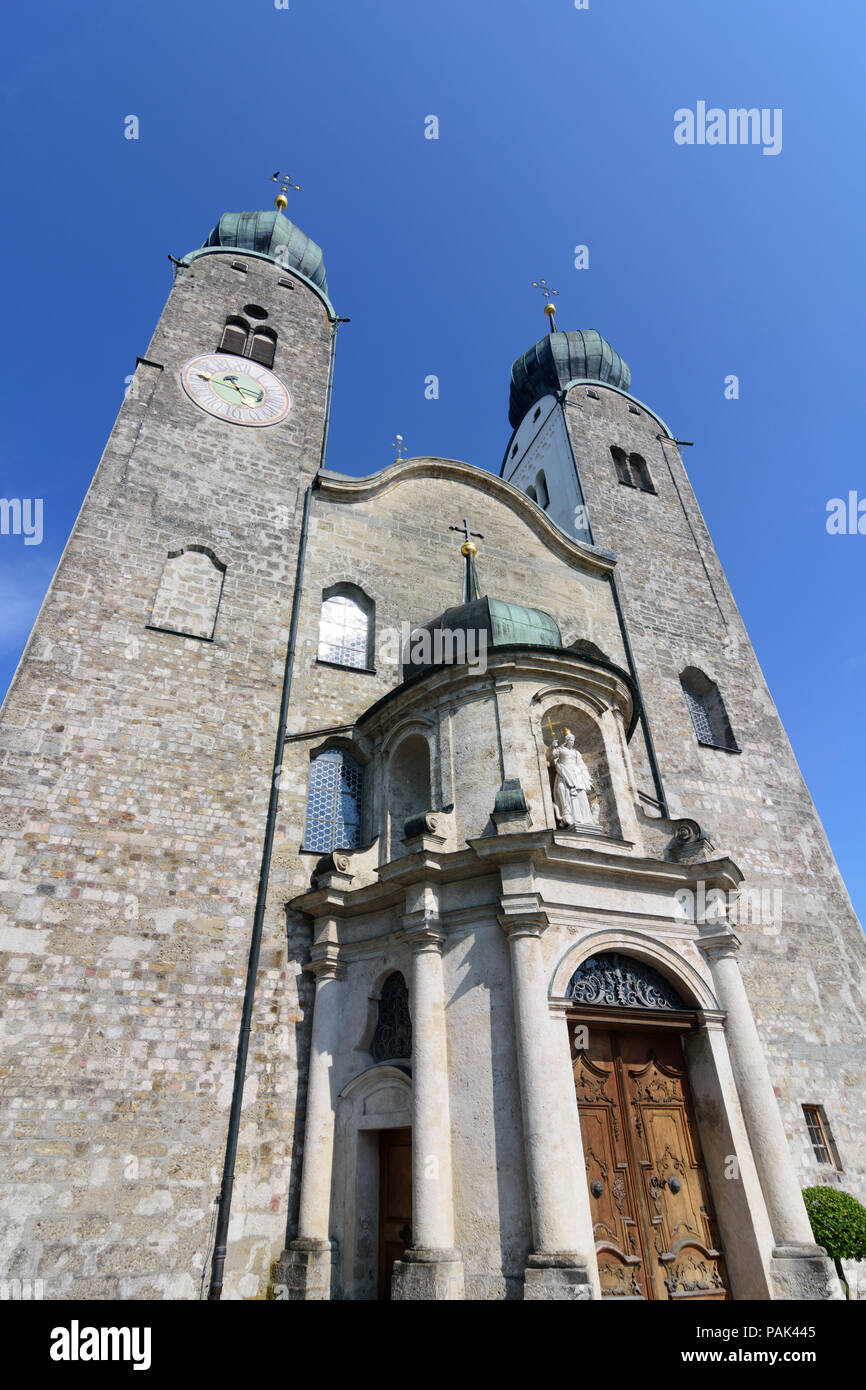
263	347
334	802
234	338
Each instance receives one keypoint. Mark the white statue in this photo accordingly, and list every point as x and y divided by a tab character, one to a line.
572	784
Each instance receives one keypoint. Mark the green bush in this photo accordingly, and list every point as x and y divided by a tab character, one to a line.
838	1222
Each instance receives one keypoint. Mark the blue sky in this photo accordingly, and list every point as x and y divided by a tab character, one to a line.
556	129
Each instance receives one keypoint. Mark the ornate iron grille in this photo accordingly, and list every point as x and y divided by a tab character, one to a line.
393	1035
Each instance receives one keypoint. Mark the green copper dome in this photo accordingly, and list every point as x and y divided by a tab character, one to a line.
269	234
454	637
556	360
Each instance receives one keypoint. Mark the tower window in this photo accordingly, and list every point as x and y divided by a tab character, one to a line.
259	344
820	1135
255	311
541	490
263	346
334	802
707	710
532	494
620	463
393	1036
640	473
593	395
234	338
345	628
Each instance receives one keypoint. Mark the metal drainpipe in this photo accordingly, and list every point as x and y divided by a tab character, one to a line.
629	654
227	1187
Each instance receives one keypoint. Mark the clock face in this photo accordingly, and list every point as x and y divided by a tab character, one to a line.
236	389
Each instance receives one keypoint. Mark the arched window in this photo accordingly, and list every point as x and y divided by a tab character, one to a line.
620	463
640	473
531	494
334	802
393	1036
234	338
707	710
346	628
541	489
263	346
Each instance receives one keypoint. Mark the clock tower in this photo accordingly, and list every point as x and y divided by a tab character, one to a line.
138	740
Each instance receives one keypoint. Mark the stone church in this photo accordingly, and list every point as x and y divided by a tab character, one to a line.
407	887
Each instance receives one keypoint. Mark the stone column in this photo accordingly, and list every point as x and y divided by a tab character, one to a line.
557	1267
305	1268
431	1268
800	1268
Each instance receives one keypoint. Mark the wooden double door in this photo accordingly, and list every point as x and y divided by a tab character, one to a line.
655	1231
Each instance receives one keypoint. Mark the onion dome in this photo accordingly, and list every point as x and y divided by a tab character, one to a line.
557	359
272	235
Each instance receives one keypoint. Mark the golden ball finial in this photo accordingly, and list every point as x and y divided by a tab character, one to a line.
469	548
281	202
550	310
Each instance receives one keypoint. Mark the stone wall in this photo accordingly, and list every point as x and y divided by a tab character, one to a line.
135	768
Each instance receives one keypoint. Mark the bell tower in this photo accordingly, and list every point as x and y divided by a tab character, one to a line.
712	748
137	744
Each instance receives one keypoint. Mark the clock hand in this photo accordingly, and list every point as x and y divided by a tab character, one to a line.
228	381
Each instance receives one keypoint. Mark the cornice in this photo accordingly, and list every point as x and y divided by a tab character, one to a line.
336	487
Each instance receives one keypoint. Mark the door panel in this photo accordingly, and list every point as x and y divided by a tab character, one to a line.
651	1209
395	1201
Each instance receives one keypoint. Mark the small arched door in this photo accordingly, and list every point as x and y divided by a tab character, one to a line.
653	1220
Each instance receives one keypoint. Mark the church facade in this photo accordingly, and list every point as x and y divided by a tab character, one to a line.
407	887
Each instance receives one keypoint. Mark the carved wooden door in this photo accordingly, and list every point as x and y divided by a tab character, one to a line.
395	1201
652	1214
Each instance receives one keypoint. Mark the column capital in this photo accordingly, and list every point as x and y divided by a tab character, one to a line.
520	924
423	933
325	963
717	941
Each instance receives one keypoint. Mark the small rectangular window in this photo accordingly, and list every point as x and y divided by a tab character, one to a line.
820	1135
239	265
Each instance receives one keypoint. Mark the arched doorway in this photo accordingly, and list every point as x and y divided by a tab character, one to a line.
655	1231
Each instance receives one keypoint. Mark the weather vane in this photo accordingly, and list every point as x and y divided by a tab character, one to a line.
400	447
549	308
281	201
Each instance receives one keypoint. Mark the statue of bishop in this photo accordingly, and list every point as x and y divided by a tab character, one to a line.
572	784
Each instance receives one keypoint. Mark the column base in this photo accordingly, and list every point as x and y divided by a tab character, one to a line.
556	1275
804	1272
425	1275
305	1272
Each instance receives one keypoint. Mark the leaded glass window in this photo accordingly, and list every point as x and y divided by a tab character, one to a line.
393	1035
334	802
697	705
344	632
707	710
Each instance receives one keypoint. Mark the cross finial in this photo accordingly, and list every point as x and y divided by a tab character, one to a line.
469	550
281	201
400	447
467	534
549	308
